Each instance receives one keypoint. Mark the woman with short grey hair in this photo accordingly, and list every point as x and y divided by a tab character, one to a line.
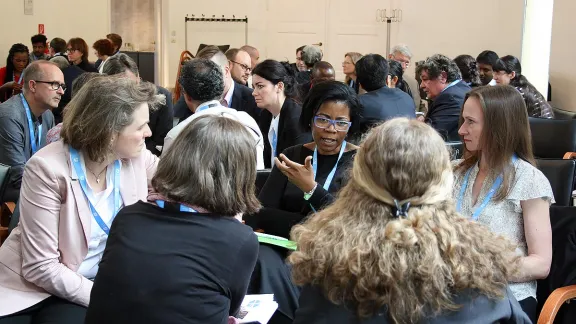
183	251
71	192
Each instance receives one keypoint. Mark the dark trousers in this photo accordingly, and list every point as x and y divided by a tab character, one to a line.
52	310
529	307
272	276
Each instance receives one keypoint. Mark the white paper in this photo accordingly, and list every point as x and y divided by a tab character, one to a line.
257	308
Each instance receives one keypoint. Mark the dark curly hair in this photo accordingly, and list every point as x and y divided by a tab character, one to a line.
16	48
331	91
202	80
276	72
438	63
469	69
372	72
396	70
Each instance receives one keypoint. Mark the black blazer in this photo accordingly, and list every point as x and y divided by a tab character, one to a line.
87	66
444	111
383	104
289	131
242	100
70	74
161	122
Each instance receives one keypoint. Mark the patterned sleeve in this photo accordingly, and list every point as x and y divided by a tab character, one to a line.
530	183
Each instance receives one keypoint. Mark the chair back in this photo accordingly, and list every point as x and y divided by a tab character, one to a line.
4	176
561	174
552	138
261	177
563	114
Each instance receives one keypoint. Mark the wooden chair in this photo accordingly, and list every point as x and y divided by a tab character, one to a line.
554	302
185	56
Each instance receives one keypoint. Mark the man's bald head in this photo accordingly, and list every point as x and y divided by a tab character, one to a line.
323	71
253	52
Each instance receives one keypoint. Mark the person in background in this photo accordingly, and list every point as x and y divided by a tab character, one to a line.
241	65
401	53
53	134
508	71
71	193
203	83
161	116
442	82
486	61
274	91
391	250
396	77
322	71
26	118
11	76
103	49
77	51
299	66
380	103
203	254
116	42
254	54
311	55
71	72
38	48
498	184
349	69
57	47
469	70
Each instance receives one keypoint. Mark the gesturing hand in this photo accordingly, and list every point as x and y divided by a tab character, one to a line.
302	176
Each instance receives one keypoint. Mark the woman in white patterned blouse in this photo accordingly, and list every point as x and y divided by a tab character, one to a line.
497	183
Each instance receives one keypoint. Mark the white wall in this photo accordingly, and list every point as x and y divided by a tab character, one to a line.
277	28
563	52
62	18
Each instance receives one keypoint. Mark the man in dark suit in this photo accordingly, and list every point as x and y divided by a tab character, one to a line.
442	82
380	103
71	72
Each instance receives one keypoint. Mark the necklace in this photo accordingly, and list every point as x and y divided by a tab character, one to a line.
99	174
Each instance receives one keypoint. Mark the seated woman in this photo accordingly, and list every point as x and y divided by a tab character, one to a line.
184	257
77	51
395	77
392	248
349	69
11	79
508	71
499	185
306	176
71	192
469	70
274	90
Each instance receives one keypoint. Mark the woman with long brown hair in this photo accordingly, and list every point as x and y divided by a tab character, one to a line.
394	250
499	185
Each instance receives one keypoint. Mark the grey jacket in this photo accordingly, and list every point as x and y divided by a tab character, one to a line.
15	146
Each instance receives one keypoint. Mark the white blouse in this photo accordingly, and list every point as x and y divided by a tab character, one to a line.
505	217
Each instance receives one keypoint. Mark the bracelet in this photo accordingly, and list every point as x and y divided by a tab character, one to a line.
309	194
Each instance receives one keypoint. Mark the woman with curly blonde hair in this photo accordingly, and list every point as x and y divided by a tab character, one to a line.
393	249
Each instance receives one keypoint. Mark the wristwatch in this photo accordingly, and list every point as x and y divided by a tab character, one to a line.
309	194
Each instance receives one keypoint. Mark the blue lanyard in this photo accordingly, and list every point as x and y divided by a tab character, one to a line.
183	208
274	143
204	107
35	146
488	197
82	178
333	172
20	81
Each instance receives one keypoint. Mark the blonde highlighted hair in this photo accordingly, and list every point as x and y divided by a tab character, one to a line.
360	254
354	56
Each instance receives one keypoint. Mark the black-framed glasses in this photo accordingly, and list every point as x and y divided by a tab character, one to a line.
54	85
243	66
339	125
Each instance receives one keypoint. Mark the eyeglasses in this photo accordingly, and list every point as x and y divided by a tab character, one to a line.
54	85
70	50
243	66
339	125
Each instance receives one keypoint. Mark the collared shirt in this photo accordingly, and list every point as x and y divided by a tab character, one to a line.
492	82
218	109
41	57
453	83
228	96
271	133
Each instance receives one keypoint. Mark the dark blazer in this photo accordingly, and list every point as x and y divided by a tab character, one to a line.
444	111
316	309
70	74
242	100
383	104
289	131
87	66
161	122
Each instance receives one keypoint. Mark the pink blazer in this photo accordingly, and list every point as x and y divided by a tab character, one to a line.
41	256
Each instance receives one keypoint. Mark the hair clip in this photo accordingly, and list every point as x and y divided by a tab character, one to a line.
401	210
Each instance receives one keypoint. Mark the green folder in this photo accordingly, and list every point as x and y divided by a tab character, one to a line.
276	240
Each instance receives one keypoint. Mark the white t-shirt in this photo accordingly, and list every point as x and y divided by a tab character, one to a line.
218	109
